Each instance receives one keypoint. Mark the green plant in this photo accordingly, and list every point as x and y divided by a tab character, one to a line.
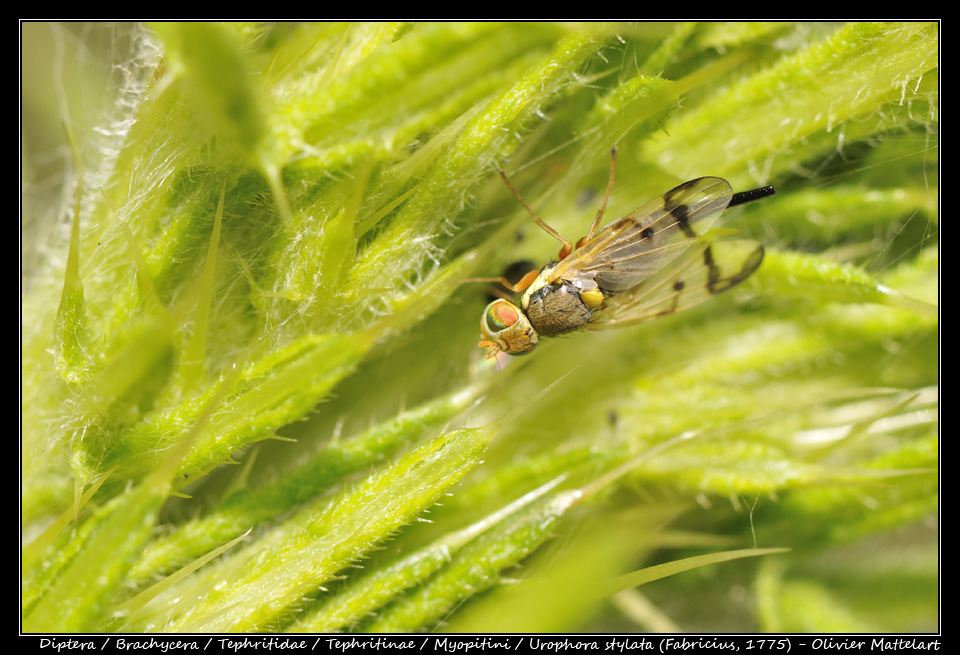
268	237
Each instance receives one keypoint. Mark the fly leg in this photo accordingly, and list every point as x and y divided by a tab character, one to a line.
606	197
567	246
519	287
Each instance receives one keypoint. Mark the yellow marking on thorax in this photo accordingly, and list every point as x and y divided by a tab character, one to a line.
538	283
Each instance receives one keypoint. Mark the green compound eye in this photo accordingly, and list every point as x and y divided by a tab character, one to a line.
500	315
504	328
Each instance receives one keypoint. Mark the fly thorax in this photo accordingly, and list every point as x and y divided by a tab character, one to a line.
556	308
538	283
590	293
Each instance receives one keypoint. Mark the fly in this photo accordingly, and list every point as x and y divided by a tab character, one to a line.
650	263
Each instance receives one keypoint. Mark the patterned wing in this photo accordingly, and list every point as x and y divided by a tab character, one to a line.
702	271
635	247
